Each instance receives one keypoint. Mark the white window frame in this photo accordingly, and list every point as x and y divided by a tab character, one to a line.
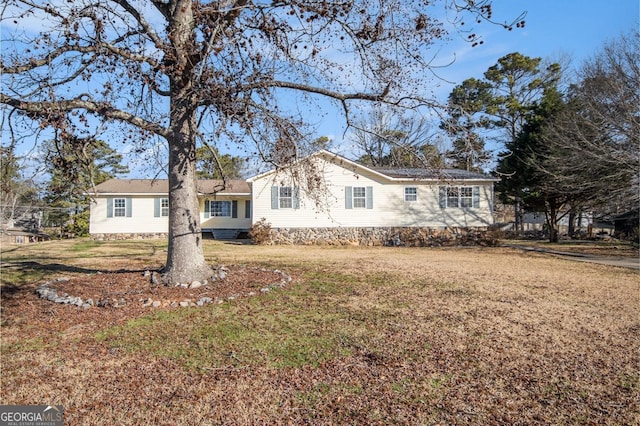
285	197
219	212
410	194
119	207
466	197
359	197
164	207
460	197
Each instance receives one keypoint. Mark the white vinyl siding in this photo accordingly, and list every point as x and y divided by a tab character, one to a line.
385	205
225	213
143	217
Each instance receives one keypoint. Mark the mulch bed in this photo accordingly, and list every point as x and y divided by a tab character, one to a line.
130	289
126	293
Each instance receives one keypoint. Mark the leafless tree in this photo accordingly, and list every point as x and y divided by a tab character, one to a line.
593	146
171	69
385	138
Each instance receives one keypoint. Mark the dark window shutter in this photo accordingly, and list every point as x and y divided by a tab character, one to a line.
443	197
128	204
207	211
476	197
109	207
234	209
275	195
247	209
369	194
348	197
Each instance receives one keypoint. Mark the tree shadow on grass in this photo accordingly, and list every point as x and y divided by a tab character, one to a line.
28	273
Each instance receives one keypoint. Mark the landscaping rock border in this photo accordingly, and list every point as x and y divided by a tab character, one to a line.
47	291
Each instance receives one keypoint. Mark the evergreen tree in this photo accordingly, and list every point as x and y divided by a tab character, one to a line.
464	123
75	166
520	167
497	106
18	195
210	164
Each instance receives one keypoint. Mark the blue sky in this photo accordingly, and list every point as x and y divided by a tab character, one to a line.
577	28
554	29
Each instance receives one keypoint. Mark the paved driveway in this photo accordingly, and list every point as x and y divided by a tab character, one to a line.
624	262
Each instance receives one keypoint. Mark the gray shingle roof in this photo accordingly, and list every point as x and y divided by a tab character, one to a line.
161	186
440	174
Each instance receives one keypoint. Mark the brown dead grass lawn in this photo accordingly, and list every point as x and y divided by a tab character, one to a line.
428	336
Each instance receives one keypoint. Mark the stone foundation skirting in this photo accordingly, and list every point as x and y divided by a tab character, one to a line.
385	236
130	236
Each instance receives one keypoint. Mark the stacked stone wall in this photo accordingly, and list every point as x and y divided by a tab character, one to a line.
384	236
130	236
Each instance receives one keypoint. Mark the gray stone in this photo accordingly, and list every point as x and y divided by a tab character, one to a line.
155	278
195	284
156	304
147	303
204	300
184	304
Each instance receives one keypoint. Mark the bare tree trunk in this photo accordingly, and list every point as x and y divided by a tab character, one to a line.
185	257
572	222
552	220
517	217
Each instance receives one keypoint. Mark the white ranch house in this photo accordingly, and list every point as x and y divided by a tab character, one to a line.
355	200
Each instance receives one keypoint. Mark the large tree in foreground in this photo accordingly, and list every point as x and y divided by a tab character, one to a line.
171	69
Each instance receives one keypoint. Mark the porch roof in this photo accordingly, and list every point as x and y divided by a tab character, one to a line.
161	187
